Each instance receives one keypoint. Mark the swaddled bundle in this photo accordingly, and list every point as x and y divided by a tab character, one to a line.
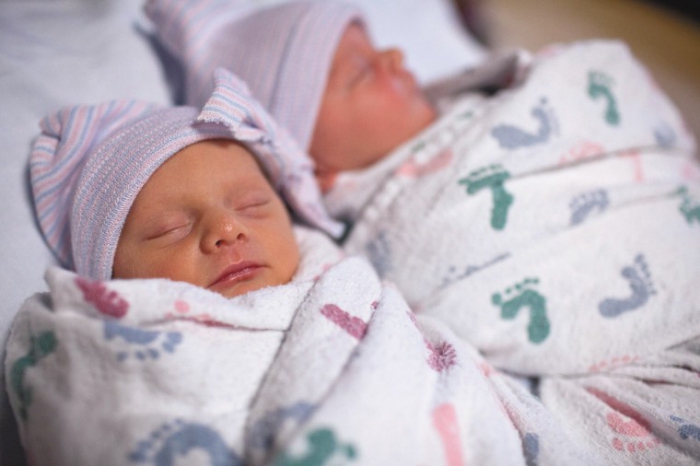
330	368
560	216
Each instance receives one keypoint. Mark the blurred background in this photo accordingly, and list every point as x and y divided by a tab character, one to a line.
665	35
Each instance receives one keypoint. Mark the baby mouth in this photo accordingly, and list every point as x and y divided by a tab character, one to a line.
236	273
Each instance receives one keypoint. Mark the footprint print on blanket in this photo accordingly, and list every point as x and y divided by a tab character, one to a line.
583	205
631	432
491	177
178	439
379	253
665	136
690	208
413	168
641	287
447	426
531	448
512	138
323	449
600	86
522	295
263	431
142	344
39	347
686	430
353	325
106	301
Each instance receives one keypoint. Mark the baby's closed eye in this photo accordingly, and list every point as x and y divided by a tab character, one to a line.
254	203
171	229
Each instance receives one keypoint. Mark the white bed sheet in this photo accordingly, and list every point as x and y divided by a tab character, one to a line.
55	53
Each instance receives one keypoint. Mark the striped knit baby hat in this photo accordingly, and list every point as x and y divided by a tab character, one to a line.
284	52
90	162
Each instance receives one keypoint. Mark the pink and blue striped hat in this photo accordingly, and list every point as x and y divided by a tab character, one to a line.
90	162
283	52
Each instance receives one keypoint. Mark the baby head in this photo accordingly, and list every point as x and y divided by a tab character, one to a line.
208	216
128	189
311	64
371	104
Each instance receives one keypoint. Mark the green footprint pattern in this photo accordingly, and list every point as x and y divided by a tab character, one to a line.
323	446
522	295
40	347
491	177
600	86
690	208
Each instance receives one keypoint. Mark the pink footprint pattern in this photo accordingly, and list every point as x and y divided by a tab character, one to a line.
413	169
445	422
107	302
182	312
354	326
632	433
612	363
582	151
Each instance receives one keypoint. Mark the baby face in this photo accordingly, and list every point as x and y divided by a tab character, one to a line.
371	105
208	216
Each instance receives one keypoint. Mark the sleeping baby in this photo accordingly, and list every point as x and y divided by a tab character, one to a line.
132	190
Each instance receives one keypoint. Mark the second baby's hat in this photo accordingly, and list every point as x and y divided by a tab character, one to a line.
284	52
90	162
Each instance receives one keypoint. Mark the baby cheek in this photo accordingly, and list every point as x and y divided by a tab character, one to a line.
182	264
285	254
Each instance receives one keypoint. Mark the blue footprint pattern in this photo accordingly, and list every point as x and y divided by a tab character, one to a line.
686	430
641	287
511	137
177	439
263	431
146	344
379	253
531	447
583	205
665	136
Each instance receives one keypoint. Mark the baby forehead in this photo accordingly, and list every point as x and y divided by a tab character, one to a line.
201	177
216	154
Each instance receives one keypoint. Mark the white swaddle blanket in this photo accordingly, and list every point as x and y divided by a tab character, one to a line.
330	369
564	212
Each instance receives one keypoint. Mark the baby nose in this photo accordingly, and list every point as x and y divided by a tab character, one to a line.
225	230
